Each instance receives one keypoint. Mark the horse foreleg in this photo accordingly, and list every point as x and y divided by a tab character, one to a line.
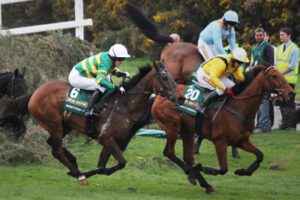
198	144
249	147
112	147
188	157
221	150
235	152
103	158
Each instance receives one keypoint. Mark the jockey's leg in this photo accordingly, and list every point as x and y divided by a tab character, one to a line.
212	96
90	107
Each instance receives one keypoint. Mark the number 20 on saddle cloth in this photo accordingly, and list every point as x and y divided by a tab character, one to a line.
193	96
77	100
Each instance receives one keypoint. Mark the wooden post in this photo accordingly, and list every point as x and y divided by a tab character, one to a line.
79	31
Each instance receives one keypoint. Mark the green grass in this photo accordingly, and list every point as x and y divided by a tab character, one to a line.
149	175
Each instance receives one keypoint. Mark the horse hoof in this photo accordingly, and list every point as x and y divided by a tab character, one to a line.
242	172
82	180
192	180
210	190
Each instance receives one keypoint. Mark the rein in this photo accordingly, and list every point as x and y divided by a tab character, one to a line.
273	86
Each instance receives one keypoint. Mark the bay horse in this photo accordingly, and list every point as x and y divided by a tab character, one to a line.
179	58
13	83
232	125
121	117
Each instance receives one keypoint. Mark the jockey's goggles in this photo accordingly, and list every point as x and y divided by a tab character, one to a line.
120	59
231	23
239	62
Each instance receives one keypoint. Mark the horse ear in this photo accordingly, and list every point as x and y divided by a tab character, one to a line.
16	72
156	65
263	65
22	71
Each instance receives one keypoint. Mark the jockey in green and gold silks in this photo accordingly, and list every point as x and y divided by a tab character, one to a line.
283	61
93	73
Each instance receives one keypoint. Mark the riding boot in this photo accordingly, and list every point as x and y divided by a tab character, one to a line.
201	107
90	114
90	107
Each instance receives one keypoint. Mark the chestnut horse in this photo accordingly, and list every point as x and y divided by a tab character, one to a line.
232	125
179	58
121	117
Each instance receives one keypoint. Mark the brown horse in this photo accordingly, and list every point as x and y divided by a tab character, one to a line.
121	117
179	58
232	125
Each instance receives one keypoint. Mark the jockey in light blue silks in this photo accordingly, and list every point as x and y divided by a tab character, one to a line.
210	39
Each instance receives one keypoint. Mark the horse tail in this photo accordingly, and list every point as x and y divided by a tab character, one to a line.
147	26
14	113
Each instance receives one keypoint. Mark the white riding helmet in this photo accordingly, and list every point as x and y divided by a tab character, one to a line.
231	16
240	54
118	51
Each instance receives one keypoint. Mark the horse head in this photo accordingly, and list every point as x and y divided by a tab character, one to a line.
13	83
165	84
275	82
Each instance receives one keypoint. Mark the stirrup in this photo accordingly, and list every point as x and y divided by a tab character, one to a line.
91	113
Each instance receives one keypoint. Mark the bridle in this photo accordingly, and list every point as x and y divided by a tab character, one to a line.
273	86
168	93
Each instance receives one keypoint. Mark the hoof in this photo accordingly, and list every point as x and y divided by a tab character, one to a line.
242	172
210	190
192	179
82	180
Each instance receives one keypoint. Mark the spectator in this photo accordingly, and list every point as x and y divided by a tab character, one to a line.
287	63
262	51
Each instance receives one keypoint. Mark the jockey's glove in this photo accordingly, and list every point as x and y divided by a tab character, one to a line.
127	74
122	90
228	91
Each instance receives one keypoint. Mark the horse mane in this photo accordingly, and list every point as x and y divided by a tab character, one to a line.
5	73
249	77
134	80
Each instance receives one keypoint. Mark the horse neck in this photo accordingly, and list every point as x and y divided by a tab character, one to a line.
137	98
248	107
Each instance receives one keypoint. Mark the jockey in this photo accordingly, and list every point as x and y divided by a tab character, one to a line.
213	74
210	39
93	73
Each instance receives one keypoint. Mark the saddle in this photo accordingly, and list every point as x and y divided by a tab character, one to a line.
77	101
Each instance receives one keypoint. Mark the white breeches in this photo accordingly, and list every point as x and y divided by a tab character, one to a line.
208	51
78	81
204	81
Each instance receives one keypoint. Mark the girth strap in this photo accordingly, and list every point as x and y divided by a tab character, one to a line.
216	105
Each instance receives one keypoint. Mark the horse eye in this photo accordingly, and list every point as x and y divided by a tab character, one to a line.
274	76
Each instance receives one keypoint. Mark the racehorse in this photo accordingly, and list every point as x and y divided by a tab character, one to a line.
232	125
13	83
180	58
121	117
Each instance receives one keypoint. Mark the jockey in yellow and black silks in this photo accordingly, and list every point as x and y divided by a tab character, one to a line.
213	74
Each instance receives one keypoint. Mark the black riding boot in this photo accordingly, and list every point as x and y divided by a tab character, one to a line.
90	114
201	107
90	107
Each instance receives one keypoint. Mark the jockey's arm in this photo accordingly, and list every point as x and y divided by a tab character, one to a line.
101	79
232	40
216	69
217	38
238	74
117	72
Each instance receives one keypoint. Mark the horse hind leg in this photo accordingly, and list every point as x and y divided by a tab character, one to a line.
65	157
